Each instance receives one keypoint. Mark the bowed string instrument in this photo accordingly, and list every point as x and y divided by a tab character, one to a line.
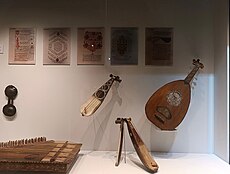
94	102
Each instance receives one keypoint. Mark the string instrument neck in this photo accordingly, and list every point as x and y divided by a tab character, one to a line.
191	75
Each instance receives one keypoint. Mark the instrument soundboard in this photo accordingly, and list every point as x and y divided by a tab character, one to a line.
38	155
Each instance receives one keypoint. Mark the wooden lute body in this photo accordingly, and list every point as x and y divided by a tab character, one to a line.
167	107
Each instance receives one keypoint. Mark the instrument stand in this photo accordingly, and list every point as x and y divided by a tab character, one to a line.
124	149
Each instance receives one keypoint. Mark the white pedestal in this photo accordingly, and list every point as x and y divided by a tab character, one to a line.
100	162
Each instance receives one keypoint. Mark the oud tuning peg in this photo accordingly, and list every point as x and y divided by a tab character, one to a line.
194	83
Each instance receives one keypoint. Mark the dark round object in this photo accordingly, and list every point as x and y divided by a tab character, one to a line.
11	92
9	110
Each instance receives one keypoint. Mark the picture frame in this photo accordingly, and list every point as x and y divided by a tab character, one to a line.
22	46
56	46
124	46
90	46
159	46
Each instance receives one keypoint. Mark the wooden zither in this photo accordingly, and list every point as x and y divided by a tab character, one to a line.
38	155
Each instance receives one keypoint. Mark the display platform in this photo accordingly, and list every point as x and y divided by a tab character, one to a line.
103	162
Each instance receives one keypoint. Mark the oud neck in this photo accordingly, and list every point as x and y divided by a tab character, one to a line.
190	76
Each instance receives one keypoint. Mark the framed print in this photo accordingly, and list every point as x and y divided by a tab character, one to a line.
159	46
22	46
90	46
56	46
124	46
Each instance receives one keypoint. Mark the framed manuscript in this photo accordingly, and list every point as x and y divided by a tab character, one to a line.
22	46
90	46
159	46
124	46
56	46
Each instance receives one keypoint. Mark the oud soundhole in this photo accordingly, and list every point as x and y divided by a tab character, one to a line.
163	114
174	98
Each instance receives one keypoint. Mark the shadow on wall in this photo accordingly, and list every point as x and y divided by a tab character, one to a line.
161	141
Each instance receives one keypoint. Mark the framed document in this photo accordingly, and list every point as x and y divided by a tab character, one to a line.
90	46
124	46
56	46
22	46
159	46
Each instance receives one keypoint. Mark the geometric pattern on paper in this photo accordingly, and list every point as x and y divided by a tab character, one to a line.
58	47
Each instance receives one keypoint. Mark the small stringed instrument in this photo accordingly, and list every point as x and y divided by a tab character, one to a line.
138	144
98	97
167	107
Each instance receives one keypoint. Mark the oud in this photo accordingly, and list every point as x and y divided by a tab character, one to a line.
90	106
138	144
167	107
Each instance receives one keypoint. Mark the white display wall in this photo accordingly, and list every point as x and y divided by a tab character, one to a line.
50	96
221	85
